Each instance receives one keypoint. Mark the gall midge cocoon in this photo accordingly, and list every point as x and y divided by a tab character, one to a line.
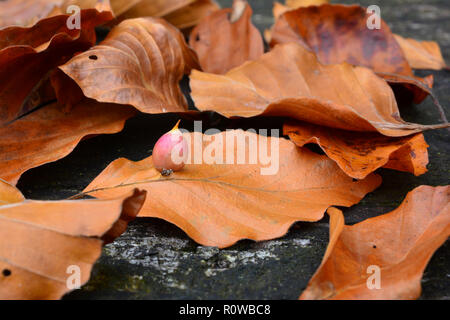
170	151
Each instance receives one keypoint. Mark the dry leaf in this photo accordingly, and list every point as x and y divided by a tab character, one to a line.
139	63
422	54
294	4
339	33
222	44
192	14
26	13
289	81
49	134
399	243
27	55
180	13
361	153
9	193
43	240
219	204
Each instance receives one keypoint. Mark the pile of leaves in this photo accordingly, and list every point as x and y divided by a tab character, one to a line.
322	70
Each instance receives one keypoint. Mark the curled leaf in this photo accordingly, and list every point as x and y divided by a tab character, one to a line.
339	33
218	203
139	63
9	193
358	154
226	39
396	246
49	134
45	242
422	54
290	81
27	55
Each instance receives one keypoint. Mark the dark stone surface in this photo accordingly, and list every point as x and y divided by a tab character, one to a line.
156	260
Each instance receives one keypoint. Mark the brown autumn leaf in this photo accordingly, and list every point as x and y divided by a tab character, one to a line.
27	55
42	241
49	134
359	154
290	81
226	39
422	54
180	13
140	63
192	14
399	243
294	4
339	33
9	193
219	204
26	13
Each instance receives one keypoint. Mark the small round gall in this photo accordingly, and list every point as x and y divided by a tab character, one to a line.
170	151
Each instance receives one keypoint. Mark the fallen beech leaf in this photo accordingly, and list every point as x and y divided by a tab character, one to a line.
400	243
42	241
359	154
9	193
339	33
49	134
422	54
289	81
26	13
180	13
28	54
222	44
139	63
219	204
294	4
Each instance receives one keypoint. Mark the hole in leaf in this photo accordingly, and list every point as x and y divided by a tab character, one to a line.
6	272
93	57
374	246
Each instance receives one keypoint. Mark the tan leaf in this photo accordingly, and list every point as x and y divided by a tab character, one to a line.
358	154
9	193
399	243
43	240
421	54
222	44
219	204
49	134
294	4
139	63
180	13
289	81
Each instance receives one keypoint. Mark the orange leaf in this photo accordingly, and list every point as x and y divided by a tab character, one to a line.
139	63
49	134
289	81
9	193
180	13
294	4
399	243
42	240
28	54
222	44
359	154
339	33
219	204
422	54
